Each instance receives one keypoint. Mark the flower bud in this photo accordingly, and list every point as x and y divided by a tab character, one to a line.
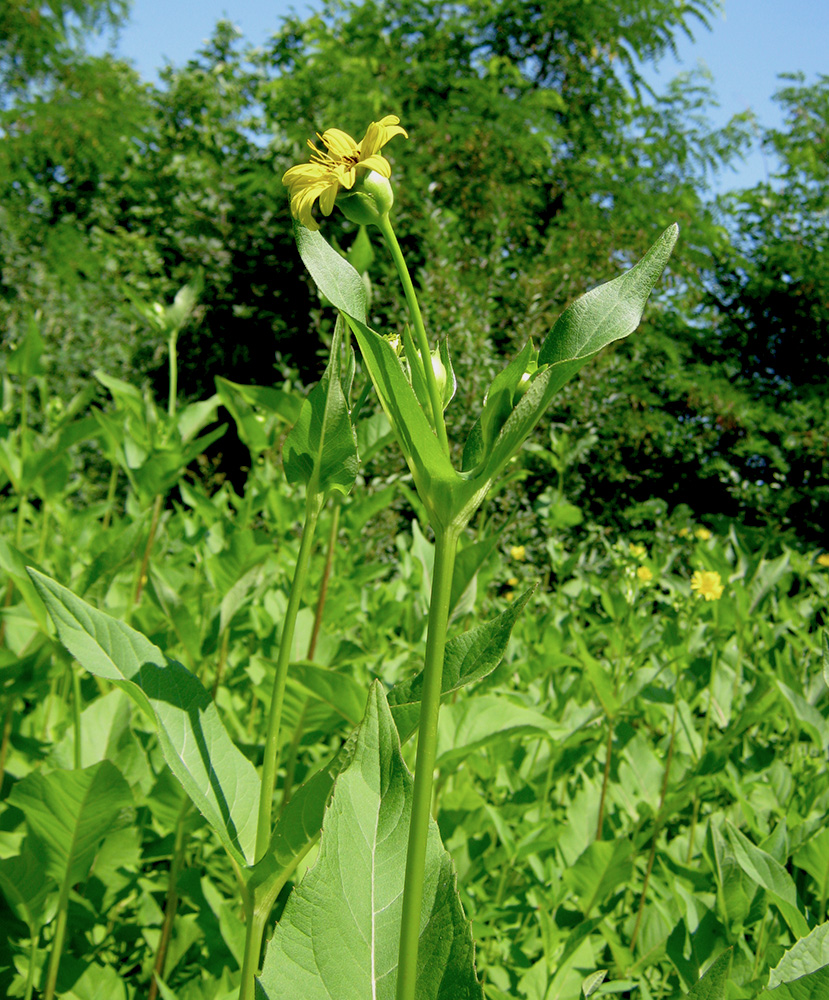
369	200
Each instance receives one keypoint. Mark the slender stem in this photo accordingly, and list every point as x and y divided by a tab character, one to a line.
6	738
290	760
145	562
30	975
656	828
171	400
326	576
57	941
706	728
446	544
171	901
110	500
263	827
220	667
76	713
605	777
420	331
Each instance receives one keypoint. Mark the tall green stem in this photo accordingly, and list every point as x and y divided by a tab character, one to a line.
263	828
435	399
172	398
446	544
57	940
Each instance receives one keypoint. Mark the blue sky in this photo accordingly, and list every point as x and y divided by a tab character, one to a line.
751	42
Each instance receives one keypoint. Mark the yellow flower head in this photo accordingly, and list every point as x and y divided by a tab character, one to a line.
823	559
703	534
518	552
644	574
638	551
336	168
684	532
513	581
707	584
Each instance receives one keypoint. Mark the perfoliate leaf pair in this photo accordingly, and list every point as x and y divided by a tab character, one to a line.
517	398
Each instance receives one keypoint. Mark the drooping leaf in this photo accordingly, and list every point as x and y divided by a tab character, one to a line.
339	933
219	779
70	812
338	281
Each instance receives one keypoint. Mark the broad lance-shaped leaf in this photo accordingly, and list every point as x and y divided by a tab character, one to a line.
338	281
468	658
772	876
339	933
70	812
604	314
321	450
219	779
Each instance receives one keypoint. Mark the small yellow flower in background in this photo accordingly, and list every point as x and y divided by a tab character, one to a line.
707	584
823	559
703	534
644	574
638	551
510	595
684	532
518	552
336	168
513	581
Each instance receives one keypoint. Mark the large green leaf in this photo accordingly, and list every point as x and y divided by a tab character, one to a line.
321	450
803	972
712	986
338	281
598	871
339	933
25	884
70	812
772	876
260	412
221	782
604	314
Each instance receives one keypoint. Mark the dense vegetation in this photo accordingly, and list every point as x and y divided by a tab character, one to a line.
637	786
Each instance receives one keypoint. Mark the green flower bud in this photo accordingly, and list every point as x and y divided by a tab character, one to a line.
370	199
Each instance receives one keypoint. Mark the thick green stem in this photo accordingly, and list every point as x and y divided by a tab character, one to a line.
254	931
145	562
605	777
420	331
446	544
263	828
